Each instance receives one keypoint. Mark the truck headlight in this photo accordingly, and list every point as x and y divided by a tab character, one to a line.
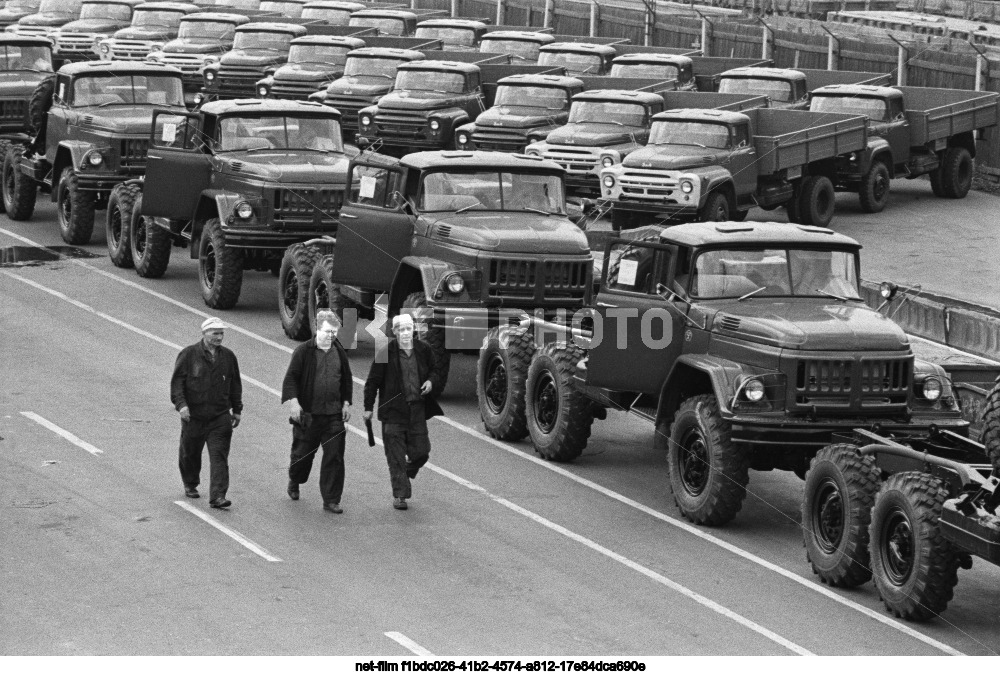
93	158
463	138
366	120
244	210
435	125
262	90
607	161
753	390
932	389
105	49
687	186
609	181
209	75
455	283
154	57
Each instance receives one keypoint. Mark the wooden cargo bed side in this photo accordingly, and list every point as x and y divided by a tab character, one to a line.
786	139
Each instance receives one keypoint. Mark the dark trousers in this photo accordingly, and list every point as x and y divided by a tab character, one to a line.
407	448
217	433
316	430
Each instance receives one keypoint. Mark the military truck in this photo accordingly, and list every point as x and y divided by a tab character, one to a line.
95	136
236	182
13	10
428	101
202	39
912	131
465	239
75	40
745	345
521	45
789	89
333	12
691	71
281	9
51	14
314	61
394	22
153	24
257	47
457	35
578	58
716	164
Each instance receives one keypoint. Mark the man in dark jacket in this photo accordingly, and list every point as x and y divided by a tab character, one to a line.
319	390
405	376
207	391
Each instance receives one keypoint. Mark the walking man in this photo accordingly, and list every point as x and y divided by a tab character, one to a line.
319	389
404	376
207	391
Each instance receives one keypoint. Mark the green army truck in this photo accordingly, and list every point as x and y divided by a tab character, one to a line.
314	61
153	24
99	19
787	88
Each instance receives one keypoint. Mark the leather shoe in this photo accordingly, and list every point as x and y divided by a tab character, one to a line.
332	506
399	503
293	490
220	503
191	492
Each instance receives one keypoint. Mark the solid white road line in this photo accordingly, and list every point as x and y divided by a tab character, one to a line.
788	574
75	440
408	643
229	532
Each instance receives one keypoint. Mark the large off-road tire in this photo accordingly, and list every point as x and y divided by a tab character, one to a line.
792	205
325	294
874	190
937	183
148	243
220	268
39	104
956	173
716	209
121	203
19	191
293	289
817	201
991	426
4	149
74	208
501	381
434	335
708	473
836	511
914	568
559	416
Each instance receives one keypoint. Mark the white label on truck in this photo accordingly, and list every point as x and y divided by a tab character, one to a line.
169	132
367	189
626	272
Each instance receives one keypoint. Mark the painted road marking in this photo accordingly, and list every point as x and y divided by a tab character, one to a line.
75	440
408	643
229	532
732	548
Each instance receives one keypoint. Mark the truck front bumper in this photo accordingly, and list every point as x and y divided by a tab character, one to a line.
368	138
104	182
812	435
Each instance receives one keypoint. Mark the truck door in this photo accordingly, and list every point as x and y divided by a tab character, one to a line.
178	166
897	133
641	332
375	231
741	162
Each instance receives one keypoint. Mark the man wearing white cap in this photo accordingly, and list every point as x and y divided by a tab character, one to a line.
405	376
207	391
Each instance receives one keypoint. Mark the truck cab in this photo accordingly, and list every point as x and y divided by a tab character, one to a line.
369	74
888	126
331	11
258	47
603	127
525	110
578	58
74	41
456	35
786	88
281	9
153	24
662	66
522	45
13	10
313	63
395	22
51	14
25	61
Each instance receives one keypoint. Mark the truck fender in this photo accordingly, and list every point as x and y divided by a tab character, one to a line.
421	273
213	204
964	140
878	149
691	375
715	178
69	153
449	118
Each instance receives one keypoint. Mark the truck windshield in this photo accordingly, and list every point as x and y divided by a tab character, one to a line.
492	191
665	71
326	56
111	11
521	50
148	18
430	80
386	26
676	132
873	108
102	90
60	7
27	58
778	271
21	5
262	40
609	112
548	98
285	9
279	133
239	4
453	37
776	90
334	17
575	64
373	66
216	31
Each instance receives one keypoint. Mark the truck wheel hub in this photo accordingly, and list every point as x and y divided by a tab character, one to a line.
694	463
546	403
496	384
828	516
897	548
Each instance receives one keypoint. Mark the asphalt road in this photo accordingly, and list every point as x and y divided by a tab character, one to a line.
500	552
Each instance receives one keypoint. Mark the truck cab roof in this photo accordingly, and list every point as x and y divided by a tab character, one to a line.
578	48
329	41
24	40
520	35
858	90
754	233
185	7
334	4
252	106
389	53
217	17
452	66
703	115
667	59
271	27
757	72
479	159
452	23
117	68
535	80
641	97
385	13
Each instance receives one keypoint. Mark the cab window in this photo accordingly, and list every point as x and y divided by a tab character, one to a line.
376	186
636	267
741	135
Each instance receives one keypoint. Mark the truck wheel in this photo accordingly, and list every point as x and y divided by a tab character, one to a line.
874	190
19	191
434	335
937	183
708	474
716	208
293	290
325	294
621	220
559	417
914	568
956	173
501	378
148	243
817	201
120	205
39	104
75	209
991	426
738	215
220	268
836	511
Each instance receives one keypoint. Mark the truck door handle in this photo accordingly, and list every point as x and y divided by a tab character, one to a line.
351	216
148	156
606	304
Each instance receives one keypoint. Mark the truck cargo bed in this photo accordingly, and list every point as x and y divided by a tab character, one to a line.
942	113
790	138
653	84
714	100
816	78
707	69
639	49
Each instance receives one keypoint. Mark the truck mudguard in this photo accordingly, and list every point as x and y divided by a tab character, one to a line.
430	272
69	153
718	376
712	177
213	204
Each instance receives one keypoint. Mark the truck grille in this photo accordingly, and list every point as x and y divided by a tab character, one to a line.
519	279
853	384
238	81
654	185
307	206
294	90
29	31
574	160
77	46
130	50
503	140
133	152
348	108
401	124
15	110
189	64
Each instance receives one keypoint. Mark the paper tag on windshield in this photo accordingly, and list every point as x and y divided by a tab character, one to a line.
169	132
367	189
626	272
